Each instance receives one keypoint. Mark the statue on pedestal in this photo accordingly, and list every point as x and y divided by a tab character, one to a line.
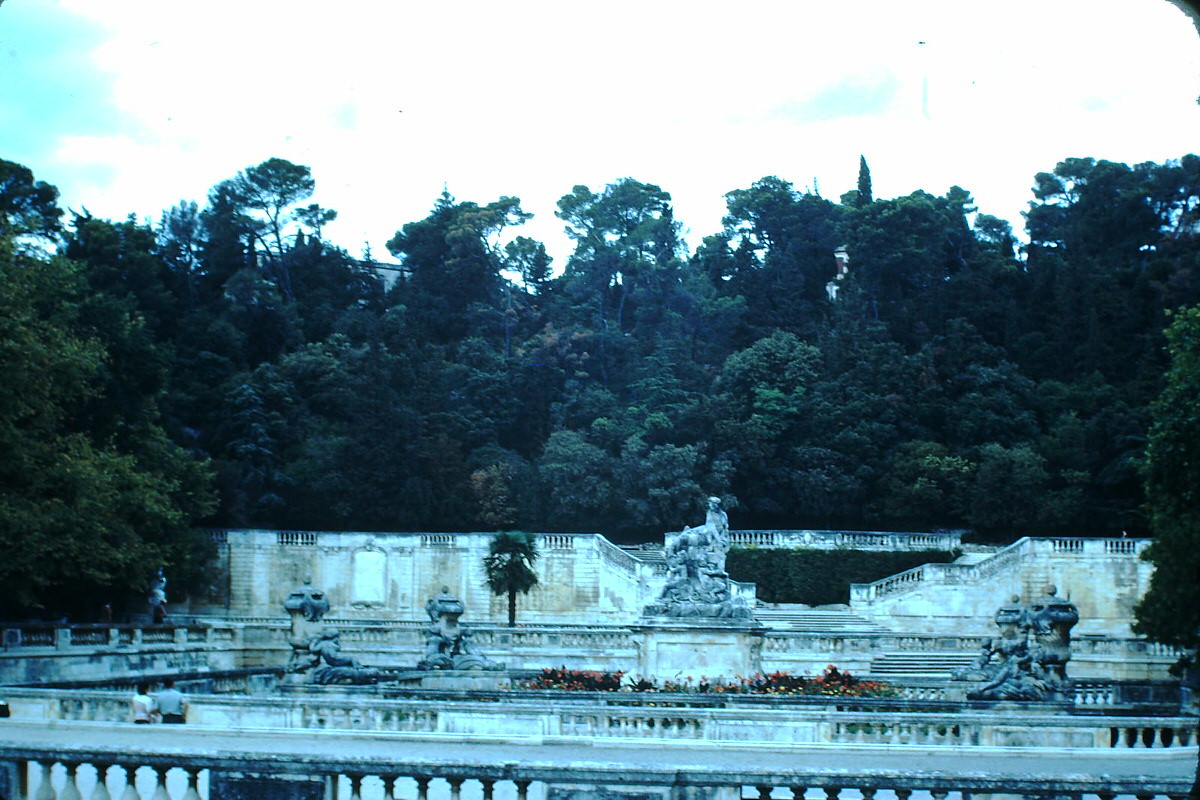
306	605
697	583
447	644
314	643
1029	659
158	598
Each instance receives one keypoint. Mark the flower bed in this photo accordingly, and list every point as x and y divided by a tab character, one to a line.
832	682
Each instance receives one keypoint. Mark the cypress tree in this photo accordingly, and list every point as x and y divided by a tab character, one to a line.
864	183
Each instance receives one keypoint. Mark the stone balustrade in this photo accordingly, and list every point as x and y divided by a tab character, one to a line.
1004	559
65	637
1104	578
61	653
947	541
42	653
713	719
72	760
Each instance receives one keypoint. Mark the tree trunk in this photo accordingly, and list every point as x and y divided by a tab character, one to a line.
512	608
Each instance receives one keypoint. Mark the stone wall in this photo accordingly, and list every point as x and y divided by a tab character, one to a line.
582	577
585	579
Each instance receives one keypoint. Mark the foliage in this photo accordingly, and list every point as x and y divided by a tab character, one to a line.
957	380
509	567
820	577
1170	610
93	495
577	680
831	682
26	206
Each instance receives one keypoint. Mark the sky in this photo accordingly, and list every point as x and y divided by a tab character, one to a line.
130	106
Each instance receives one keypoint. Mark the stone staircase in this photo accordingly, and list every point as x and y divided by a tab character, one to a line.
651	554
975	554
920	665
802	618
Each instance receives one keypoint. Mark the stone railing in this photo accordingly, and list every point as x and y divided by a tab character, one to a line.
73	761
616	556
609	717
951	574
67	637
58	654
54	653
846	540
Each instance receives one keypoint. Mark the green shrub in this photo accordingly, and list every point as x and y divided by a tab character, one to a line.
820	577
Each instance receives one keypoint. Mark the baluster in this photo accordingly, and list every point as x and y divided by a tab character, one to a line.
798	792
523	790
101	790
390	784
355	786
455	787
902	794
764	792
130	792
832	792
45	791
193	780
160	784
938	794
488	784
868	792
70	790
423	789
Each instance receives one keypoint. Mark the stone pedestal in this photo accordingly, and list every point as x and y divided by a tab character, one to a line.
672	649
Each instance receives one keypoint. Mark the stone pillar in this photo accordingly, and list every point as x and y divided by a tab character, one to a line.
10	783
228	785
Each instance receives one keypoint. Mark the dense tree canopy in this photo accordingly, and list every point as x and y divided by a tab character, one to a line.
949	378
1170	611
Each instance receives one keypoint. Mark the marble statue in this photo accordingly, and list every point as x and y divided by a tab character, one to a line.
697	584
448	645
158	597
1028	661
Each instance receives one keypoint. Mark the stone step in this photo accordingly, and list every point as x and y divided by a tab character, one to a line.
934	665
815	620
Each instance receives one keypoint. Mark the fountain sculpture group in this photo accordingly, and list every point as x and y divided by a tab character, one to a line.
448	644
1028	661
316	647
697	584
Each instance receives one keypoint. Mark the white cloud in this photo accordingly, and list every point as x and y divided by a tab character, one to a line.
386	102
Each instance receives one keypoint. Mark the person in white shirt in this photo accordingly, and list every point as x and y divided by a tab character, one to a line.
142	705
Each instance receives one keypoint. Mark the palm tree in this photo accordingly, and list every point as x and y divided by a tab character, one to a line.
509	567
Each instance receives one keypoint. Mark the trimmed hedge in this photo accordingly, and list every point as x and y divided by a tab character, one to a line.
820	577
